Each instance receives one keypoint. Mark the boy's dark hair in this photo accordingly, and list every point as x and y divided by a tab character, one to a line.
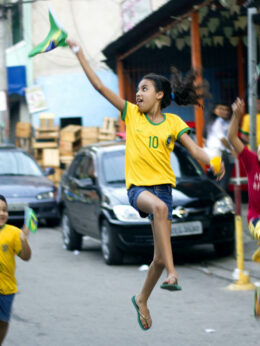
2	198
185	92
211	117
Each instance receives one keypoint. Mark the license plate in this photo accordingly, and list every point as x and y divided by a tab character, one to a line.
17	206
186	228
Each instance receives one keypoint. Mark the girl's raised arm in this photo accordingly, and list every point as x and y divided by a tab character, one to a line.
112	97
238	108
199	154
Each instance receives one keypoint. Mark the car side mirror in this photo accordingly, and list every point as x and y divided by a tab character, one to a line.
85	183
48	171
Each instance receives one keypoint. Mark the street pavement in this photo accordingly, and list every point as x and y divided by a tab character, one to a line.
74	299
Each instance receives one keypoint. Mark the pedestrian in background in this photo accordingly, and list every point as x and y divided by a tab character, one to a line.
251	162
13	241
216	143
150	138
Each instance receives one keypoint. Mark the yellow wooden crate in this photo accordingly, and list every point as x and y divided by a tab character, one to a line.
23	129
51	157
89	132
47	120
108	126
87	141
71	133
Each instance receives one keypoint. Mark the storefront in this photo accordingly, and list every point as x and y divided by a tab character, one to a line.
210	36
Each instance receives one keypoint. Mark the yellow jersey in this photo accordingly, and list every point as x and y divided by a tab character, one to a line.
10	245
148	147
245	127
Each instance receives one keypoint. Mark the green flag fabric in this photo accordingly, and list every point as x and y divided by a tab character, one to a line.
56	38
30	219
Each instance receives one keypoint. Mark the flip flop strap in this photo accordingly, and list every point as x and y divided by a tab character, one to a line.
172	276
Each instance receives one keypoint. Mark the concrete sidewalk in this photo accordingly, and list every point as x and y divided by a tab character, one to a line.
224	267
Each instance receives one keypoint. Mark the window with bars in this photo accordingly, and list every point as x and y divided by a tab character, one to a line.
16	24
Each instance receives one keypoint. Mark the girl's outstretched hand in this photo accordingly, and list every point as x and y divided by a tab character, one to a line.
217	167
238	108
222	171
74	46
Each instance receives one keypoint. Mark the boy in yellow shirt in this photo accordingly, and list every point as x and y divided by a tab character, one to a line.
13	241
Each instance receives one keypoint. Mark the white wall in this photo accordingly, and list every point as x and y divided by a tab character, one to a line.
157	3
93	23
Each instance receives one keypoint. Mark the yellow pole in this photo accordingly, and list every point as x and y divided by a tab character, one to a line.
243	282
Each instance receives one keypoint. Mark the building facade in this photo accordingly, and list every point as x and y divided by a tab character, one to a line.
67	92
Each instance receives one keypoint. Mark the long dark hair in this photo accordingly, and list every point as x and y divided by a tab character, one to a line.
2	198
183	92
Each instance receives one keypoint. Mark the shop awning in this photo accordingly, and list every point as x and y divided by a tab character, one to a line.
16	76
146	28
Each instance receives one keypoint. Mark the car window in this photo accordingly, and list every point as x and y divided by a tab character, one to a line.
18	163
73	166
183	165
113	166
79	172
85	168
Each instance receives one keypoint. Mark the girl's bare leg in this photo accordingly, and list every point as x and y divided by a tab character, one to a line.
159	260
3	331
151	204
153	275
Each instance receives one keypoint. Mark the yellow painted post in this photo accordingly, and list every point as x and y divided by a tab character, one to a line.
243	282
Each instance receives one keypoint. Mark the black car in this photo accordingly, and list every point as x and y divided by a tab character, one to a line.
23	183
94	202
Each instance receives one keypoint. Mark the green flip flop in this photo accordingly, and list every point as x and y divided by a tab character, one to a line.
257	302
139	315
171	287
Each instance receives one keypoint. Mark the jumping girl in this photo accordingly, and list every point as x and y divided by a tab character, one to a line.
150	137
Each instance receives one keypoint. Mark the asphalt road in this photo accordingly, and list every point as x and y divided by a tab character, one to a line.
74	299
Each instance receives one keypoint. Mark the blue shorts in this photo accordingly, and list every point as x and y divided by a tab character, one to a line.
6	302
164	192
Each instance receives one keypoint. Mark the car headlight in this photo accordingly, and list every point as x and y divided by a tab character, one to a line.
223	206
128	214
45	195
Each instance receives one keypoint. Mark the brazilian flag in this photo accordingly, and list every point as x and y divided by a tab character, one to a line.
31	220
56	38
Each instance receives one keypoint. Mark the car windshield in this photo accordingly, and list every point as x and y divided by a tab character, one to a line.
114	167
183	165
17	163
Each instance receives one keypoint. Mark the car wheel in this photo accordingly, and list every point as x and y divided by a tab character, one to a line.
111	254
225	248
71	239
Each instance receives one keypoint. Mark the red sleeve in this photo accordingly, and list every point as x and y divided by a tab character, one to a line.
248	158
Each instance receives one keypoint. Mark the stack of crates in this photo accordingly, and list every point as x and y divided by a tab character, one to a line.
70	143
23	136
89	135
45	144
108	131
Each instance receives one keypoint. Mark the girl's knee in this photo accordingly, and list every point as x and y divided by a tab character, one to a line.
160	210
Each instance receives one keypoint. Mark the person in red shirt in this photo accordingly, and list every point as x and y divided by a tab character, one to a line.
251	162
